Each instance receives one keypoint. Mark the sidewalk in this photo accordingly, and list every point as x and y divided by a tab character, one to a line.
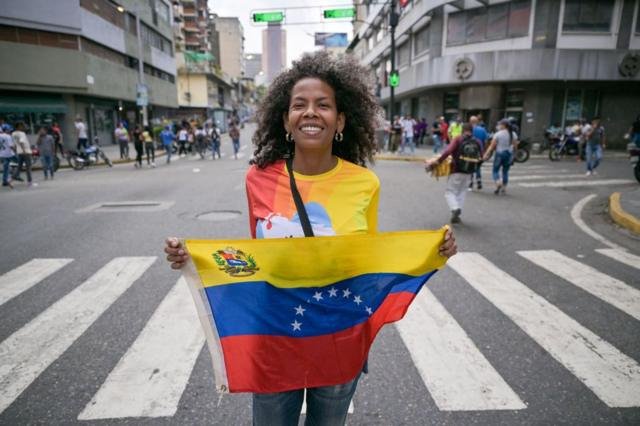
624	209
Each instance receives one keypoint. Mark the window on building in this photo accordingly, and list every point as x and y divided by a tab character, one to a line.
494	22
421	40
162	10
571	105
370	43
380	34
451	104
404	54
588	15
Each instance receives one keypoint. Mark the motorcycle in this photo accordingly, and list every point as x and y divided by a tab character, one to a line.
565	145
87	157
522	151
634	158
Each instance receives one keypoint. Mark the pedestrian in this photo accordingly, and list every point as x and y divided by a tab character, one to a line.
149	147
424	129
396	133
505	142
444	131
466	154
56	132
595	142
214	136
122	136
183	138
167	137
81	134
23	149
201	141
234	134
386	128
408	125
437	135
7	153
191	138
138	146
634	132
455	128
481	136
321	141
46	146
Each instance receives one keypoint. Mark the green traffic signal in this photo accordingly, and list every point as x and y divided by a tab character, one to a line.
268	17
339	13
394	79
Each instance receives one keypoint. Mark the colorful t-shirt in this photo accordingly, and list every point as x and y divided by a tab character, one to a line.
342	201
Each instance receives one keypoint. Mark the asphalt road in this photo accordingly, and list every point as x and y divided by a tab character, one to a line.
529	325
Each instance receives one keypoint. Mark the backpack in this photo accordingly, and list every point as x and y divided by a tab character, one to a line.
470	156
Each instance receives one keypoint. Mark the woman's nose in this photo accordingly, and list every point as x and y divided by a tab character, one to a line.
310	111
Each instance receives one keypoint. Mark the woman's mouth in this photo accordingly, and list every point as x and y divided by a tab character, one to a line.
310	130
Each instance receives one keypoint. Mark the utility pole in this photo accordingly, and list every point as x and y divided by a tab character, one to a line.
393	23
141	85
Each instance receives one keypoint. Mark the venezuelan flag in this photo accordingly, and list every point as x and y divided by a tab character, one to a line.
283	314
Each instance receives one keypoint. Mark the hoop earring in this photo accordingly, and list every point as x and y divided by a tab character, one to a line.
338	137
289	137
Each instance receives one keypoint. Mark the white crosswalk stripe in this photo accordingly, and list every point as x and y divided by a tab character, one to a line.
456	373
622	256
26	276
611	375
29	351
569	184
539	177
149	379
609	289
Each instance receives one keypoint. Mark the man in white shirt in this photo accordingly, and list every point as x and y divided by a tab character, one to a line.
81	133
407	132
6	153
23	149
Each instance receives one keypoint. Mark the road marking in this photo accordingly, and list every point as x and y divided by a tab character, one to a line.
585	182
622	256
610	374
304	405
609	289
456	373
150	378
576	215
535	177
29	351
27	275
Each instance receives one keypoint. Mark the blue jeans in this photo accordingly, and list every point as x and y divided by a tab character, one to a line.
47	164
594	155
326	406
215	149
5	170
236	146
437	143
408	140
168	149
502	159
635	138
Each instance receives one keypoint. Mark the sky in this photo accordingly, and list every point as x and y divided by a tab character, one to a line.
300	38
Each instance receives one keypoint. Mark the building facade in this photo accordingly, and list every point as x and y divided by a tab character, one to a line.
539	61
231	42
274	51
79	58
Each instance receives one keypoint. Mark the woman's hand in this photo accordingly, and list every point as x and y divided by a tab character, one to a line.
176	254
449	247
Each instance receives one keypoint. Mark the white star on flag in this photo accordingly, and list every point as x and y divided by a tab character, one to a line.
296	325
369	311
346	293
300	310
357	300
317	296
333	292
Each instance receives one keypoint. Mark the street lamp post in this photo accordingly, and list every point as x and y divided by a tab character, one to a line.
142	87
393	23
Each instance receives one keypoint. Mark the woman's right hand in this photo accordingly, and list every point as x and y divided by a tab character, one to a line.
176	254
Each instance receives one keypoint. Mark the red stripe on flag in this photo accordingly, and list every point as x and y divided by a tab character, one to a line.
265	364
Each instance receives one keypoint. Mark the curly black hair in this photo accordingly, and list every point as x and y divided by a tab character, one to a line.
354	98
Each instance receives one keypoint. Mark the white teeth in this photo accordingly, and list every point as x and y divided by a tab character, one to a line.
310	129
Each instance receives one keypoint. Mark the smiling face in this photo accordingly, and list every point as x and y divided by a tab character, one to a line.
313	118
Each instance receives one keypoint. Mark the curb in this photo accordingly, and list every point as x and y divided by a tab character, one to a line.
621	217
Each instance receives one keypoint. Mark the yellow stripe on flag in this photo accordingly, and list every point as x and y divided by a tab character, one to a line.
314	262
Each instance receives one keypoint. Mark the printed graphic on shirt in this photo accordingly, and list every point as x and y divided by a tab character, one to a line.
276	225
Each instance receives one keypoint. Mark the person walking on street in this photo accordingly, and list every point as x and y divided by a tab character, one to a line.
466	154
167	137
634	132
7	152
23	149
122	136
396	134
437	135
138	145
481	136
149	147
46	145
594	144
455	128
183	137
58	140
81	134
234	134
408	125
444	131
505	142
201	141
317	127
215	137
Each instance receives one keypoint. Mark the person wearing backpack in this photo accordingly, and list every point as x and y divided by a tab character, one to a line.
214	136
466	153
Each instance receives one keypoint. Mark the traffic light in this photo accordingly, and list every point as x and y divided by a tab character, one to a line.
268	17
403	3
394	79
339	13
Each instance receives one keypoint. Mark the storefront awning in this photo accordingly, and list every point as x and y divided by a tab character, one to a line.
16	104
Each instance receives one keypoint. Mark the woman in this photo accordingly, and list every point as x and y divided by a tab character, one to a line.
322	114
234	134
137	144
505	142
46	145
149	147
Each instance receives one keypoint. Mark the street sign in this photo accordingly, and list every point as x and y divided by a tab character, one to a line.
339	13
394	79
142	98
277	16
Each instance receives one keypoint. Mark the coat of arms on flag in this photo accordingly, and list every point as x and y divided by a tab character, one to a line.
283	314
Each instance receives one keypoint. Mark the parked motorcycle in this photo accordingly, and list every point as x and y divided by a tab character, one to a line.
87	157
634	158
565	145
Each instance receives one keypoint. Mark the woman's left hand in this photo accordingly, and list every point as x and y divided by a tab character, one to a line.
449	247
